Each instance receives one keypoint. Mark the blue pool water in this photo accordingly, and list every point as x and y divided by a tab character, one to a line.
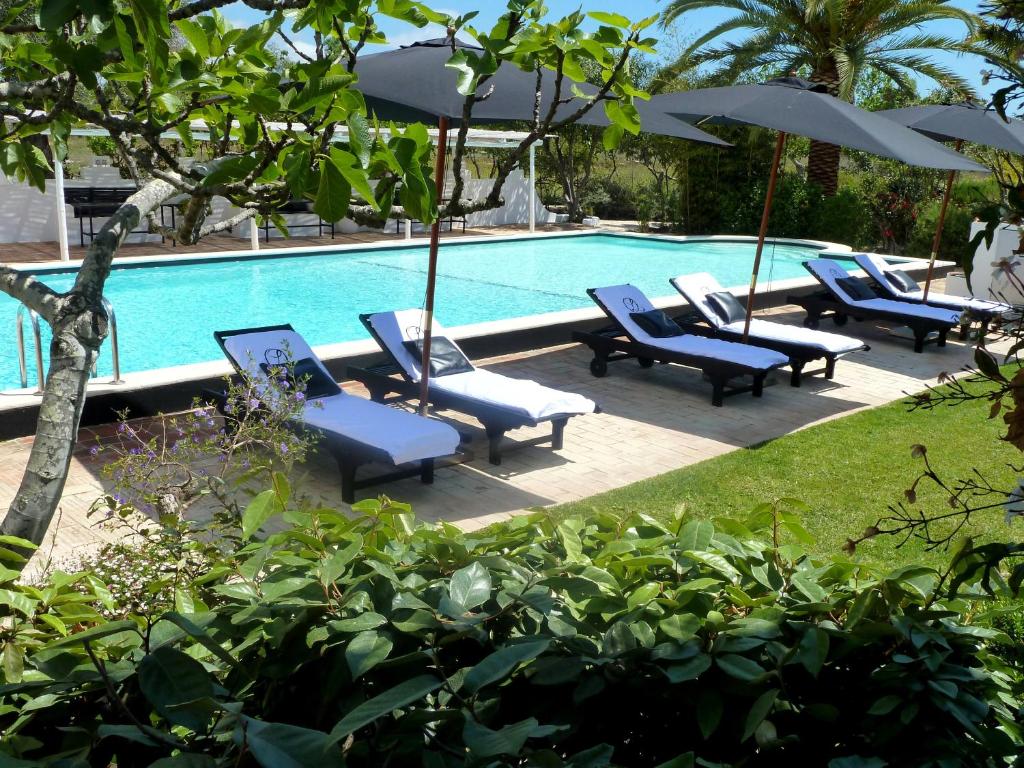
167	313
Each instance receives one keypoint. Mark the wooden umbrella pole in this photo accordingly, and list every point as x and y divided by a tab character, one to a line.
762	233
939	225
435	237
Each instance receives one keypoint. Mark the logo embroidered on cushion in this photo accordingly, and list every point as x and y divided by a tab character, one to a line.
632	304
275	356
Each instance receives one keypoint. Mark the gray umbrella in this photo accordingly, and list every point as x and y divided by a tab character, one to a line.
414	84
958	123
794	105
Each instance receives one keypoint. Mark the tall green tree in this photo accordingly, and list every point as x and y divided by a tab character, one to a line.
833	43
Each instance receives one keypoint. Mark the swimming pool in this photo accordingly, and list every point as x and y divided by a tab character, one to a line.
167	312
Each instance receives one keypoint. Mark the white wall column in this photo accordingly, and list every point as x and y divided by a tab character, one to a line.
254	234
408	229
62	214
533	190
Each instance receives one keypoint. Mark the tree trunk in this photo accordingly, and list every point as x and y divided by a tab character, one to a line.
823	158
79	325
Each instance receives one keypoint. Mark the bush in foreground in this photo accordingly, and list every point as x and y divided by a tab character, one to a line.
376	641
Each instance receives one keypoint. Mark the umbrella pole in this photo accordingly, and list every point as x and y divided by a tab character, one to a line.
772	178
939	225
435	236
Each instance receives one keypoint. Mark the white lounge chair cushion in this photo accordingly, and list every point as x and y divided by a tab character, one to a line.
834	343
522	396
400	435
621	300
877	267
696	287
829	273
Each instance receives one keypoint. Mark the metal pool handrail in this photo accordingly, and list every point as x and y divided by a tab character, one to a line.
114	351
37	337
22	365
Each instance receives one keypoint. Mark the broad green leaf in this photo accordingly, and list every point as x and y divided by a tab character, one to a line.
365	651
470	586
740	667
359	139
758	712
501	662
96	633
483	742
54	14
689	670
263	506
170	680
394	698
614	19
696	535
278	745
332	196
680	626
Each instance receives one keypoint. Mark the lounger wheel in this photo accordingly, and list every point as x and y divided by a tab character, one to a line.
599	367
840	320
645	362
811	322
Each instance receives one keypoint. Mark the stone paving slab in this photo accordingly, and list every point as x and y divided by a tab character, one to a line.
652	421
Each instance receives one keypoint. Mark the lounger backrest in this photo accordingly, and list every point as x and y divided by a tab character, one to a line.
829	273
695	288
394	328
275	346
878	269
618	301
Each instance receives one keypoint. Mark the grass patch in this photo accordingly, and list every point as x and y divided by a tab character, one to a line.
848	471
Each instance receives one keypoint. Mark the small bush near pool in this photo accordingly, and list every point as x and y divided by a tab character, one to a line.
374	641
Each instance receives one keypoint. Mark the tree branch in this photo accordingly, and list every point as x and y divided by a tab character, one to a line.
34	294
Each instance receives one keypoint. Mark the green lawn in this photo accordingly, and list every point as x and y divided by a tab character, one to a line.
848	471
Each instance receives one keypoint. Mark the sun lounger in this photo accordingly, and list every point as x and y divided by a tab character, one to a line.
501	403
897	285
800	345
839	300
356	431
721	361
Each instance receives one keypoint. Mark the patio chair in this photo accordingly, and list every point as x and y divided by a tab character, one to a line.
721	361
500	403
896	284
724	317
846	296
355	430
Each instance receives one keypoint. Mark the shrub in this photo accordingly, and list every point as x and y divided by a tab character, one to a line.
372	641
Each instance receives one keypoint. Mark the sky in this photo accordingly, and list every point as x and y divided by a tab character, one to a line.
671	40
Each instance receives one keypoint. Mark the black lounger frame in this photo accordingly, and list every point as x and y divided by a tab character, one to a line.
613	343
349	454
799	354
390	377
826	302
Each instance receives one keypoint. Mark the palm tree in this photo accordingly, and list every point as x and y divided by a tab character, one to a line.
835	41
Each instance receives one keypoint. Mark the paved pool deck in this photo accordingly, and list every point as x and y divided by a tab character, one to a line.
652	421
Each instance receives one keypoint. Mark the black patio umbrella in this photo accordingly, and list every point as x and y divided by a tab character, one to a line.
414	84
793	105
958	123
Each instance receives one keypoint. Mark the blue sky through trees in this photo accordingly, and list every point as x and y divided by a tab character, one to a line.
672	39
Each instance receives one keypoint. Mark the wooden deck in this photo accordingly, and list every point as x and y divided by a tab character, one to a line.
13	253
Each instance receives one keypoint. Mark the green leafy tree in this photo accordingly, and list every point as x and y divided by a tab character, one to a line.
143	69
833	43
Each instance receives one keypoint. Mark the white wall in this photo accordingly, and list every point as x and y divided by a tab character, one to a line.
30	216
984	284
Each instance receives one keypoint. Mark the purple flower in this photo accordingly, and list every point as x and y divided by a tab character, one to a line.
94	450
299	397
254	403
245	464
229	408
284	447
135	451
122	427
209	422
